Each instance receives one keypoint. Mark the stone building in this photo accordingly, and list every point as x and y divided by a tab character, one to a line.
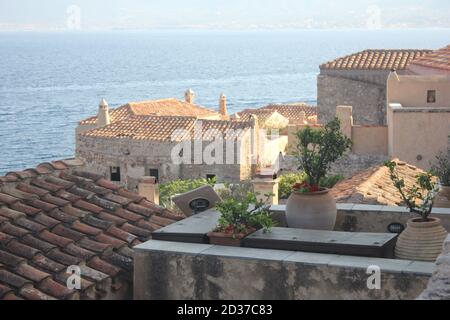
169	148
359	80
162	107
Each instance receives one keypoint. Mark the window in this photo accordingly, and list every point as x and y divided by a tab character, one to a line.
211	177
154	173
431	96
115	173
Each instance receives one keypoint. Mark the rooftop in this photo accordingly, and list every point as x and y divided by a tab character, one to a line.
55	216
374	186
292	112
163	107
438	59
384	59
163	128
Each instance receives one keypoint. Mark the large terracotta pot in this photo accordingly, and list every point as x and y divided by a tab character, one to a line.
443	198
421	241
314	210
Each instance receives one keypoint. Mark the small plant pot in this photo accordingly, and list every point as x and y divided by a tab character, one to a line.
312	210
443	198
421	240
227	239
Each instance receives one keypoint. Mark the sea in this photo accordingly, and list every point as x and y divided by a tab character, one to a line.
50	81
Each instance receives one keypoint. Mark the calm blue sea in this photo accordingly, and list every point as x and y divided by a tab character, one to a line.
48	82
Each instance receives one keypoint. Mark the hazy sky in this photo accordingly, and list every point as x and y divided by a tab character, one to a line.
229	14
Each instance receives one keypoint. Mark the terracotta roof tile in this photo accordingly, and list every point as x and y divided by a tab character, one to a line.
28	210
45	263
13	230
374	186
66	232
164	107
31	273
54	238
62	216
292	112
31	293
54	216
37	243
63	258
21	249
55	289
384	59
437	59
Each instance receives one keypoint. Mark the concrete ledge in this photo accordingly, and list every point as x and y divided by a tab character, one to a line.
199	271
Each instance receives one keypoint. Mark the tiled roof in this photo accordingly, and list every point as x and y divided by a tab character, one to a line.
161	128
292	112
55	216
374	186
438	59
375	60
163	107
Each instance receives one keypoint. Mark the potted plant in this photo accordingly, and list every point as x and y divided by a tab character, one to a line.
441	169
424	236
240	217
311	206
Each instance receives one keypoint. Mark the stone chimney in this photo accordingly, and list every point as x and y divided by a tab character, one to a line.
189	96
149	188
223	105
103	118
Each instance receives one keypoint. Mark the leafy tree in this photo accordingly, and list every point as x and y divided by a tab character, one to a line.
318	148
419	198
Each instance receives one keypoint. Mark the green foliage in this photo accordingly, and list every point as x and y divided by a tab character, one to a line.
243	215
236	191
441	167
419	198
330	181
287	181
170	189
317	149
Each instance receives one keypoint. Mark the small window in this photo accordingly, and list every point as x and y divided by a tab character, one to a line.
431	96
115	173
154	173
211	177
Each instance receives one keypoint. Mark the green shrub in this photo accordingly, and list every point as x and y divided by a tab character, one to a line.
244	214
287	181
318	148
170	189
331	181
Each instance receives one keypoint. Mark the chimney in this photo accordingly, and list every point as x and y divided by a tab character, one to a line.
223	105
149	188
103	118
189	96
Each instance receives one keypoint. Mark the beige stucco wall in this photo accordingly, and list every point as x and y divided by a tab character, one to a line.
411	91
370	140
416	133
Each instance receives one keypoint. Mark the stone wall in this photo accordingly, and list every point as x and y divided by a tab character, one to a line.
174	270
439	285
368	99
136	157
